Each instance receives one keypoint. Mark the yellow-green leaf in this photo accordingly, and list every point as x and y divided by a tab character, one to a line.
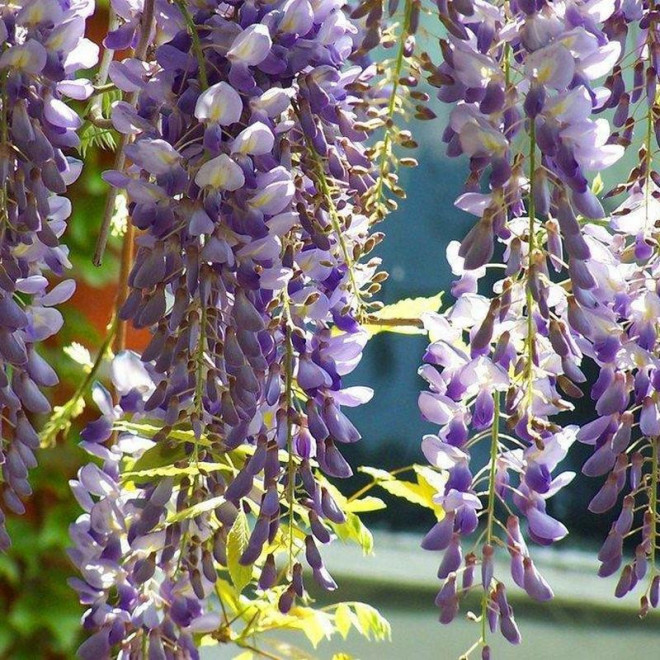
192	469
365	504
597	185
197	509
416	493
406	309
376	474
237	541
372	622
343	619
160	455
353	529
316	625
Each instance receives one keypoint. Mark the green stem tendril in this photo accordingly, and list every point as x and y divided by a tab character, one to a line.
288	397
386	152
61	418
530	257
490	520
196	43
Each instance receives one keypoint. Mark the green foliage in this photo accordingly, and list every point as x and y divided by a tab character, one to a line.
252	619
237	542
95	137
39	613
403	316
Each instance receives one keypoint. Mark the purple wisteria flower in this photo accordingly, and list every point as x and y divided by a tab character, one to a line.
42	49
525	81
247	176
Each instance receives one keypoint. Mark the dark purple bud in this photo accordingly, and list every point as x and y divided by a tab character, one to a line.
606	497
440	535
312	553
270	504
258	537
297	580
534	583
324	579
534	100
319	530
487	566
330	508
452	558
240	486
654	592
625	582
268	577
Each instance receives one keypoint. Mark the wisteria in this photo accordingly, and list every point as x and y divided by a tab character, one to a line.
256	146
42	48
526	82
245	178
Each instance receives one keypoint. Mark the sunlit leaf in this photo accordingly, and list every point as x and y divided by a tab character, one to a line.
365	504
343	619
376	474
316	624
408	309
237	541
355	530
197	509
372	622
421	493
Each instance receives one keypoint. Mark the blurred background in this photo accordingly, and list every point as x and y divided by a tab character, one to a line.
40	615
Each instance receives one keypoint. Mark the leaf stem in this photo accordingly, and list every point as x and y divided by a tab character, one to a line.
530	256
196	43
490	520
386	152
63	416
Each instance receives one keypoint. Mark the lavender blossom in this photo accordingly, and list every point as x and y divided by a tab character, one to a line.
42	50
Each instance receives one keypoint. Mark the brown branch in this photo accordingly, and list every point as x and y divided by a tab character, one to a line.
122	287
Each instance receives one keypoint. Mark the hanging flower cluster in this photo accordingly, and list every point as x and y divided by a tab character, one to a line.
246	177
526	81
623	329
42	48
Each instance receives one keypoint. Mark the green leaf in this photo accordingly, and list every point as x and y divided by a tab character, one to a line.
197	509
365	504
94	137
376	474
407	309
353	529
417	493
343	619
237	541
372	622
597	185
162	454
